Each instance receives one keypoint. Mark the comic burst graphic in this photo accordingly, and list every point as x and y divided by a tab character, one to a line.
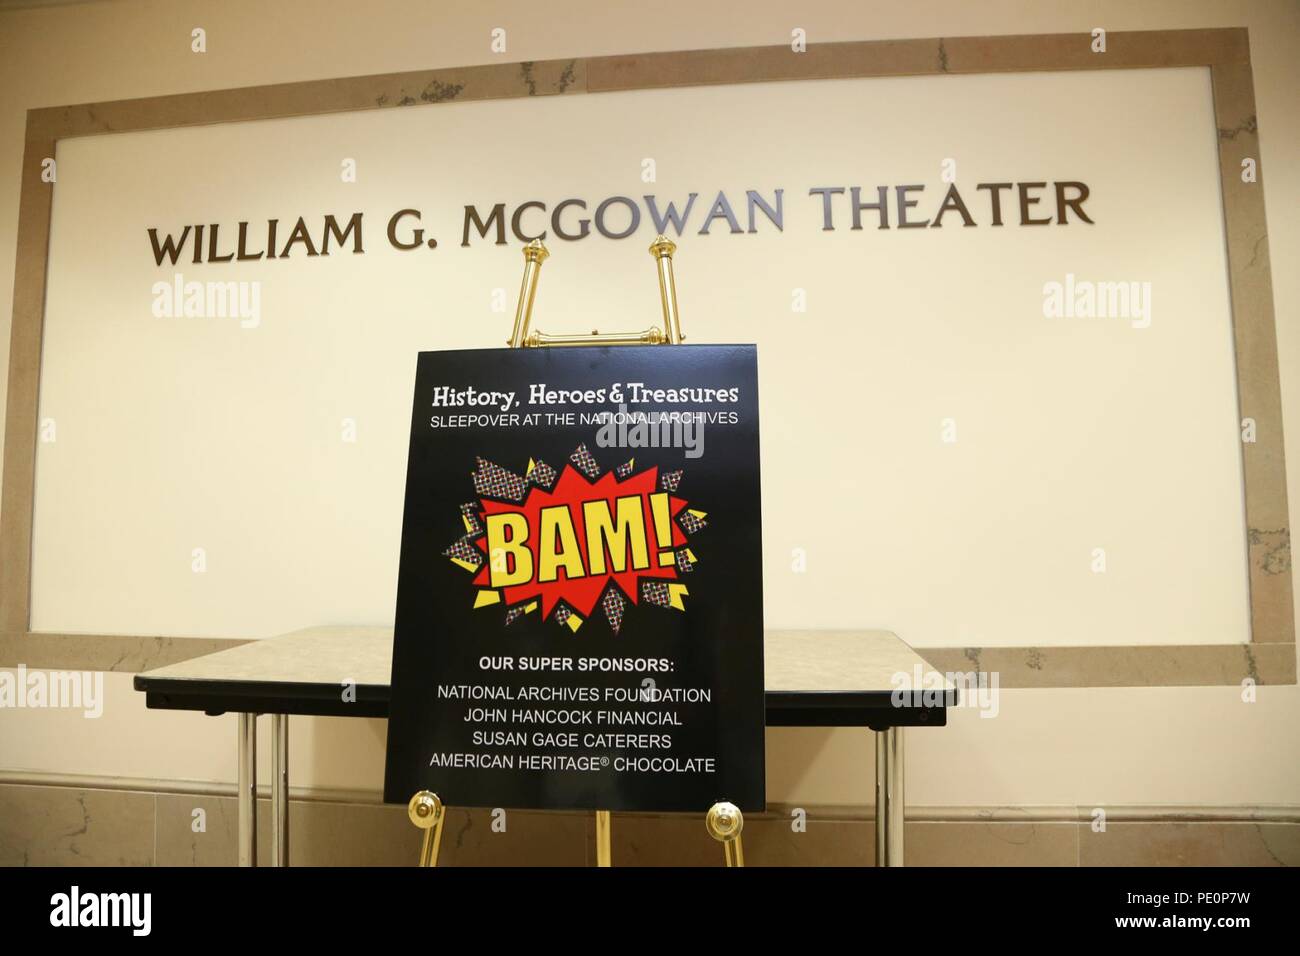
561	543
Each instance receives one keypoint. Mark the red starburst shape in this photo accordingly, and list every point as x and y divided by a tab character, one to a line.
564	544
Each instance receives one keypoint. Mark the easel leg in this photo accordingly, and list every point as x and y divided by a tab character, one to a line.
246	784
427	812
890	817
604	848
725	823
279	789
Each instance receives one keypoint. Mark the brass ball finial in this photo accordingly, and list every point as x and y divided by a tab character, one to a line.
535	251
724	822
425	810
662	247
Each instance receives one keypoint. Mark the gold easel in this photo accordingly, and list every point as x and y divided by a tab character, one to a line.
724	821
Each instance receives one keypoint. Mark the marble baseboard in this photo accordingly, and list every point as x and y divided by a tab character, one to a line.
76	826
1248	843
64	826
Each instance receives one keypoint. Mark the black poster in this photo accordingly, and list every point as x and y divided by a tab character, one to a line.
580	604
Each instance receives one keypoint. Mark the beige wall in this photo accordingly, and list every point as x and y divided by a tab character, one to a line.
225	431
1045	747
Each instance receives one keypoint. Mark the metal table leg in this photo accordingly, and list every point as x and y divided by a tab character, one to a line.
279	789
882	774
247	786
889	797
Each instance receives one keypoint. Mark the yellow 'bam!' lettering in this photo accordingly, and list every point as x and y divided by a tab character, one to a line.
511	562
602	530
616	540
558	546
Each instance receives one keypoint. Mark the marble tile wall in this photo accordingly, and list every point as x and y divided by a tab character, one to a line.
73	826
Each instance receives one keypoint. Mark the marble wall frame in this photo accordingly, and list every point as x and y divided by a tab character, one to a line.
1268	658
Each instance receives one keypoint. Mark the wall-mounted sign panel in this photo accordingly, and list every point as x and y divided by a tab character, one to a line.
975	417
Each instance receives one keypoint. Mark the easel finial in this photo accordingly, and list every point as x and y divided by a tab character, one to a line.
662	246
536	251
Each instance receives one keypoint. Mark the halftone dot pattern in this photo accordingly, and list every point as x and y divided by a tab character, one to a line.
656	592
614	604
464	549
470	512
689	522
542	475
585	462
493	481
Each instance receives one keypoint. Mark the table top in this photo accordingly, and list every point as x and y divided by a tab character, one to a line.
813	678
